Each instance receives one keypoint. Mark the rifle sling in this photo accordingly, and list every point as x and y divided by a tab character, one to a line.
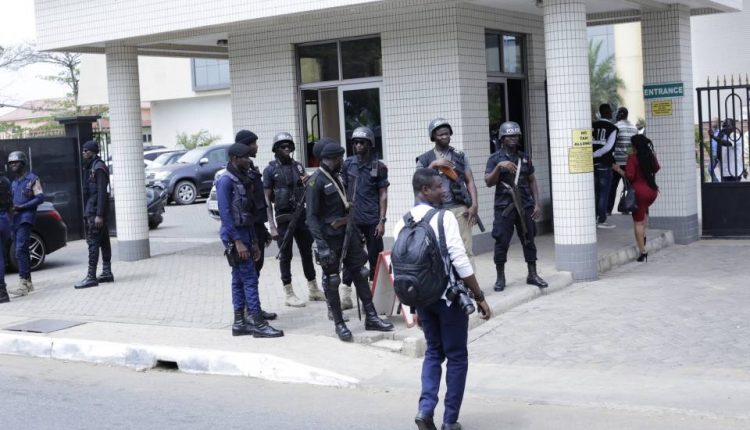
336	184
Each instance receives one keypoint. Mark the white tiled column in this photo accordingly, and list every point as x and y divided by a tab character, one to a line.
666	59
566	52
127	151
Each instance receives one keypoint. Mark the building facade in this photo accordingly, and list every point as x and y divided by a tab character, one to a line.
323	68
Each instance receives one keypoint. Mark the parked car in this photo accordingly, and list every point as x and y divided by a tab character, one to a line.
48	235
167	158
156	200
192	175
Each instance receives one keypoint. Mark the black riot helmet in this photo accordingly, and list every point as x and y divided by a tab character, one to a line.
18	156
364	133
280	138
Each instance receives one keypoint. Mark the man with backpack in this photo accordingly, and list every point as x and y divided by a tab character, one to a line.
441	302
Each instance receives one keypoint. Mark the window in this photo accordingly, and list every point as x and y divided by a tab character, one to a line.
334	61
504	53
210	74
217	157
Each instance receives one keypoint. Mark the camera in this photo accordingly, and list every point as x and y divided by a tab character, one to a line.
459	292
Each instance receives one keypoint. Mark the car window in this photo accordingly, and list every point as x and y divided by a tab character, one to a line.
218	156
192	156
162	159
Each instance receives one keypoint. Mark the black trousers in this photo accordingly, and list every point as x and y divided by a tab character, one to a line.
353	263
374	248
613	189
502	232
97	238
261	236
304	241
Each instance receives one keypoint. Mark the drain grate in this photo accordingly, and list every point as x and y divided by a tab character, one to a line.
166	366
44	326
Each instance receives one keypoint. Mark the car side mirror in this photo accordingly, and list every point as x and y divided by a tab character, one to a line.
203	161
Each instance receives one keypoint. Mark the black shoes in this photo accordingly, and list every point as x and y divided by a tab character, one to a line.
343	332
424	422
454	426
373	322
240	327
4	297
500	282
87	282
268	316
643	257
534	279
261	328
106	276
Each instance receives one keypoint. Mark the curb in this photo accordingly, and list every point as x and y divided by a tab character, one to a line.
629	253
190	360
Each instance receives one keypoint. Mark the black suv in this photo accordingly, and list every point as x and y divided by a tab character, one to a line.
192	175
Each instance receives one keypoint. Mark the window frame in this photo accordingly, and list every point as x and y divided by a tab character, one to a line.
524	63
199	88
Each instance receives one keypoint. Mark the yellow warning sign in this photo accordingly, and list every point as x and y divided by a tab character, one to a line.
582	137
580	156
661	108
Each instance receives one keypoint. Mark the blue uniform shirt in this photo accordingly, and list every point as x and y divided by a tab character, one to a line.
25	198
369	183
503	197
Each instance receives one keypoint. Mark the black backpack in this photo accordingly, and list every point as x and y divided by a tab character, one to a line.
420	270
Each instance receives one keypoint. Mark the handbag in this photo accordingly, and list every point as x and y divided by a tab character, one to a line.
628	202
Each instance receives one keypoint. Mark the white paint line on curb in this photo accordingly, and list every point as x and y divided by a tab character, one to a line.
189	360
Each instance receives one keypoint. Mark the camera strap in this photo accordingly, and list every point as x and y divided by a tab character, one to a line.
443	248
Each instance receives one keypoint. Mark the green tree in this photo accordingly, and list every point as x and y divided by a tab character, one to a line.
605	84
192	141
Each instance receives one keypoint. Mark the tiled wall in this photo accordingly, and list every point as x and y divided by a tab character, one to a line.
127	152
433	65
667	58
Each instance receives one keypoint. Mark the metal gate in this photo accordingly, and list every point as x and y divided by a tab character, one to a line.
723	151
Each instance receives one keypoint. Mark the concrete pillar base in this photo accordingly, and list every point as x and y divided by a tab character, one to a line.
581	260
133	250
685	229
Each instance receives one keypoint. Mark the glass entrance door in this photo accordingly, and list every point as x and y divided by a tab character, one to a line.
497	107
359	106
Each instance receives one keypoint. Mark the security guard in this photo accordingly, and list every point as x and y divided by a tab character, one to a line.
96	199
520	210
367	177
327	216
283	183
6	203
234	190
27	196
458	180
257	201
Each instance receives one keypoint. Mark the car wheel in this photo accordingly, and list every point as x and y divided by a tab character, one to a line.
37	253
184	193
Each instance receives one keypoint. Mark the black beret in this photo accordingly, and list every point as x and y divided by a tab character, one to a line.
246	137
320	144
239	150
91	145
332	150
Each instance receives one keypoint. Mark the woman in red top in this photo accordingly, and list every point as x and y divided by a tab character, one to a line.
641	171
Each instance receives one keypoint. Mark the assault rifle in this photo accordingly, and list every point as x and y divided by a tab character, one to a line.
298	210
515	194
350	231
462	189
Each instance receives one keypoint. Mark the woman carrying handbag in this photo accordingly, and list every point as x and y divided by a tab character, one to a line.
641	171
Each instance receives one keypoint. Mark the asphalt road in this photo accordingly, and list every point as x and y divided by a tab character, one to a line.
43	394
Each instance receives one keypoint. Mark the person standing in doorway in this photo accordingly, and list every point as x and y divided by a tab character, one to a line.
511	172
96	200
458	180
234	193
604	135
27	196
6	203
367	177
625	130
284	186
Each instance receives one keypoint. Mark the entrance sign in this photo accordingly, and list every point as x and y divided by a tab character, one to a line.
662	91
383	295
662	108
580	155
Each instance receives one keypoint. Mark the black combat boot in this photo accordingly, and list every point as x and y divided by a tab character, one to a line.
4	298
106	275
500	282
261	328
334	313
373	321
89	281
330	314
534	278
268	316
240	327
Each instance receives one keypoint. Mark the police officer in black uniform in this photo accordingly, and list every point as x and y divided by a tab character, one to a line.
327	216
367	177
6	203
96	198
257	204
283	183
502	167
